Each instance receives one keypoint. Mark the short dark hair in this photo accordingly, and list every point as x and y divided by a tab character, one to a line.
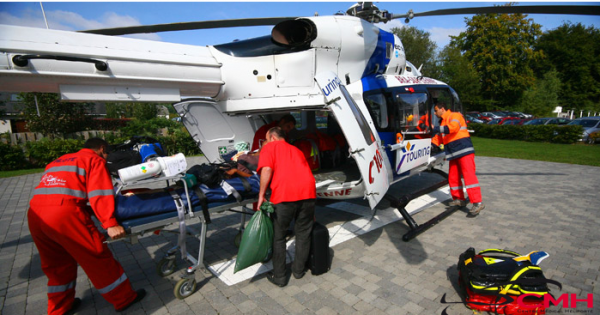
95	143
277	131
287	119
441	105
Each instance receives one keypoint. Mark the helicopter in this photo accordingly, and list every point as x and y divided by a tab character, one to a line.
338	75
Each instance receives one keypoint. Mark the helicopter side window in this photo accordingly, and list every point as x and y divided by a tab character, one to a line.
411	107
378	108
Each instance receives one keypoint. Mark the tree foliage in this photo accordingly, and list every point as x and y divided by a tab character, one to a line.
574	51
419	48
54	117
457	71
542	99
142	111
500	46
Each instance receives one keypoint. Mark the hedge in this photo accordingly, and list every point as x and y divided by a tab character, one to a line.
546	133
13	158
37	154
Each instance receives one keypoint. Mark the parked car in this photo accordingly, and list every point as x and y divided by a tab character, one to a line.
487	116
522	115
511	121
501	121
591	125
473	119
548	121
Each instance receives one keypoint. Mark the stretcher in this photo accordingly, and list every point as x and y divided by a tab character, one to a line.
186	213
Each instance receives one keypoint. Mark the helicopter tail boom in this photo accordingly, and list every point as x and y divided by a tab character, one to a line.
84	67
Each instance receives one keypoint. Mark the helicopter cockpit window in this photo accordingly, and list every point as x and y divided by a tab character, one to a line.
378	107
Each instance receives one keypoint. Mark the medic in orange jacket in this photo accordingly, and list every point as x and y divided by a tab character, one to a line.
454	135
65	235
460	154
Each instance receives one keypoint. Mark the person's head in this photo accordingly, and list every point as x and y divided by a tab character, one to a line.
439	109
98	145
287	123
275	134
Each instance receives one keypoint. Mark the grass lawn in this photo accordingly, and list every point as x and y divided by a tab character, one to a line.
21	172
579	153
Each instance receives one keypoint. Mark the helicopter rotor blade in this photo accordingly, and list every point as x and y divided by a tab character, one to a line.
526	9
185	26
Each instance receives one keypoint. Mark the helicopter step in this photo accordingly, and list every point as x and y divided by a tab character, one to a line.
400	204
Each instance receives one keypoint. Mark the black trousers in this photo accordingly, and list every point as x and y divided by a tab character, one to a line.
303	212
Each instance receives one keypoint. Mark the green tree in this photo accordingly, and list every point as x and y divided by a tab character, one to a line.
500	46
419	48
142	111
542	99
145	111
51	116
458	72
574	51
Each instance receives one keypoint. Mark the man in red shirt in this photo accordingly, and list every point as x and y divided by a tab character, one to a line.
65	235
284	169
286	123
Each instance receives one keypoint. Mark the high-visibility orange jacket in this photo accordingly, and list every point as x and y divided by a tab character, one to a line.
455	136
74	179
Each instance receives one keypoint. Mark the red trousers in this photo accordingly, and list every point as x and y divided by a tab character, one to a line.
66	236
464	167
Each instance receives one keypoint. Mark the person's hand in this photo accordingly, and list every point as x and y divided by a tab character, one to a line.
435	130
116	232
261	199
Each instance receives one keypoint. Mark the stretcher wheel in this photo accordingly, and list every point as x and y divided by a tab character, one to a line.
184	288
166	267
238	239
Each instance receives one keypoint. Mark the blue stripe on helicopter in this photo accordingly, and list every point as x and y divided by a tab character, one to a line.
379	55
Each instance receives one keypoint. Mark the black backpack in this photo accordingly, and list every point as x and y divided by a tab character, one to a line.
117	160
207	174
134	151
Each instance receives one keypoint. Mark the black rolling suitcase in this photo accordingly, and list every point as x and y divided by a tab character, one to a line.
318	259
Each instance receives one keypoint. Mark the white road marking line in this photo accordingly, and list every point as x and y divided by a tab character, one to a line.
338	234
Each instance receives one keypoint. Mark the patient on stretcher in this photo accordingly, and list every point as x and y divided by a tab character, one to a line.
146	202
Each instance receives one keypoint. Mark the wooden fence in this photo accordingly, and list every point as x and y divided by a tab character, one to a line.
23	137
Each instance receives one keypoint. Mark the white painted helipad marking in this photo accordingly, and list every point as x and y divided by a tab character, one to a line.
338	234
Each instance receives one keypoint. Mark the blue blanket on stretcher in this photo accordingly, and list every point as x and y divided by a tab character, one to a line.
147	204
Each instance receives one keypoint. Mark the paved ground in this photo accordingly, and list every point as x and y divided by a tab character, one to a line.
530	206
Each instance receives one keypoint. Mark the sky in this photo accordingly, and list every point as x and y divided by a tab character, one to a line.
93	15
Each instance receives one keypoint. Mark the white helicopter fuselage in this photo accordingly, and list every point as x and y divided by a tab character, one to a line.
325	69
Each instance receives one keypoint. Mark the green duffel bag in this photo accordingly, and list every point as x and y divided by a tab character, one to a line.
257	240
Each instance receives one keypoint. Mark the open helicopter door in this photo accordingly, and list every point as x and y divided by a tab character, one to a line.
216	132
363	142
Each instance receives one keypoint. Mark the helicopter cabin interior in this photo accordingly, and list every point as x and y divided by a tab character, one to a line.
402	113
399	114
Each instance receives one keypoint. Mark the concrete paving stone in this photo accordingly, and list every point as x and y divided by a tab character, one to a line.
247	306
14	309
364	307
387	267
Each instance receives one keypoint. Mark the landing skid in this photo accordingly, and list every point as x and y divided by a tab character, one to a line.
400	204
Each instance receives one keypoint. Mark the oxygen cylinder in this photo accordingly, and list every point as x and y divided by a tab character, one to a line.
173	165
140	171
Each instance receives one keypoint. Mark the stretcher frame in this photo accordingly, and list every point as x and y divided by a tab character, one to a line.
185	286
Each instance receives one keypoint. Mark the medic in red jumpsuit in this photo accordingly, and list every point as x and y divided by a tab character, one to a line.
65	234
461	155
